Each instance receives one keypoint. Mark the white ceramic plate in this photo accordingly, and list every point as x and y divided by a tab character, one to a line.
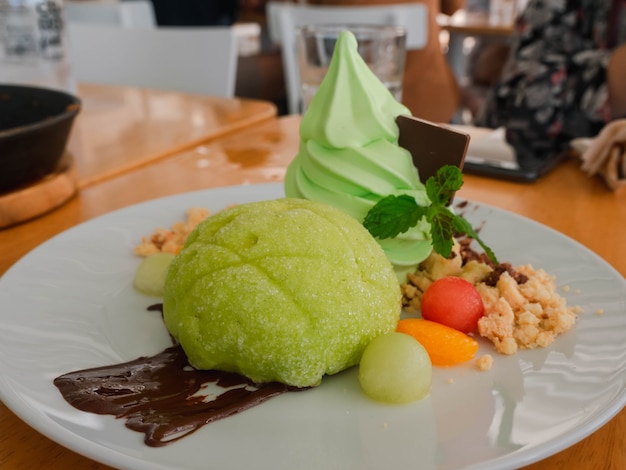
69	304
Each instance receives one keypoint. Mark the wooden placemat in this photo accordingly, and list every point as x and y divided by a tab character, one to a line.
37	198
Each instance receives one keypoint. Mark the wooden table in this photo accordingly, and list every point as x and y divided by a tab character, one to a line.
474	24
566	200
120	128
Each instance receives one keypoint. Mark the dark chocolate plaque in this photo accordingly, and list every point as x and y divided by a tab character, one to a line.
431	145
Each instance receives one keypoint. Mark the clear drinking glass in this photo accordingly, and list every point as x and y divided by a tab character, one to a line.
382	47
33	44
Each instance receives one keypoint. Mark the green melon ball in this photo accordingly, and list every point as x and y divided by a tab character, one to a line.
151	272
286	290
395	368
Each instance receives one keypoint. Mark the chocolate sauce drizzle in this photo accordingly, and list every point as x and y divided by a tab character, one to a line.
161	396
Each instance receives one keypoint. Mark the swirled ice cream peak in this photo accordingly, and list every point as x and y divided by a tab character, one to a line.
349	155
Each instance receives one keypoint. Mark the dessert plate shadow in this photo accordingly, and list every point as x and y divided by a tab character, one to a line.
69	305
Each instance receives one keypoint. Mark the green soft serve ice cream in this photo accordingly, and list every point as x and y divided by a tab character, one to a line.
349	155
287	290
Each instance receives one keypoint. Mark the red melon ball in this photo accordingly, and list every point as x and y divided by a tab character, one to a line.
454	302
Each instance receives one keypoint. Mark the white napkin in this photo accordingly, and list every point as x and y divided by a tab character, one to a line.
606	155
488	146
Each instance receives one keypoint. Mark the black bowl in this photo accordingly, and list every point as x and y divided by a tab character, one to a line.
35	124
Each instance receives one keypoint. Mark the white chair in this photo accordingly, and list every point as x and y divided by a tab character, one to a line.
283	19
130	14
195	60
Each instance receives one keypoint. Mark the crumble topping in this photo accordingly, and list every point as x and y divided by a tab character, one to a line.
484	362
172	240
523	309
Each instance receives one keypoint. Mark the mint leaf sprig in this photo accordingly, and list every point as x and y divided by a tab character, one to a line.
393	215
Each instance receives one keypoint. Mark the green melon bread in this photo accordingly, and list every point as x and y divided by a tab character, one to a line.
286	290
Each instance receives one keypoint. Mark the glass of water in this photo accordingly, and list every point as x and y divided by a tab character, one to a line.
382	47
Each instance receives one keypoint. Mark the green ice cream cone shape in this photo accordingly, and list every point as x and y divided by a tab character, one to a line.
349	155
286	290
